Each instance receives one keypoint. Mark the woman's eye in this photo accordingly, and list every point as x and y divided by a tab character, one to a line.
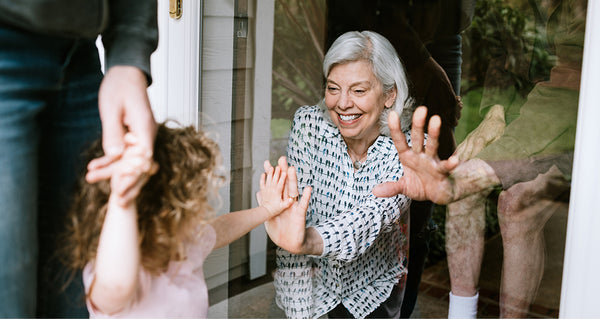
332	89
360	91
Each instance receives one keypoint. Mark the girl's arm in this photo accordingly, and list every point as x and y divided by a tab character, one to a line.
118	259
117	262
234	225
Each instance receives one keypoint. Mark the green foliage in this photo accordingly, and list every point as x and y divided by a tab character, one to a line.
469	116
297	55
505	46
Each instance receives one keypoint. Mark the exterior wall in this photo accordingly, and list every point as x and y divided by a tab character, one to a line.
204	75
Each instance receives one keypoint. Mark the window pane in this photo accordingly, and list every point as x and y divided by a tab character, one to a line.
516	67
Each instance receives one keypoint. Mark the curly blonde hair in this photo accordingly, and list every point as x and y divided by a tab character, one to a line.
171	206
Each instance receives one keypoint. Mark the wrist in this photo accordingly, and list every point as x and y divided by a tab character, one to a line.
119	203
472	177
313	243
268	211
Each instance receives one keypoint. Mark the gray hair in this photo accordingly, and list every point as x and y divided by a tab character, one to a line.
386	66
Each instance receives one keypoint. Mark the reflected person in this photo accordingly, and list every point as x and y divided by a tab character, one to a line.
531	162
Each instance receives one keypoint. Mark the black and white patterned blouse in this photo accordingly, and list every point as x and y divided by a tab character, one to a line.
365	238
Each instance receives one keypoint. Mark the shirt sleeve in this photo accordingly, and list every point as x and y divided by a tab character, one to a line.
301	145
132	34
350	234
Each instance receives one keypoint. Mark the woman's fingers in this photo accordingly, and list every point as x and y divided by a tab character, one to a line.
434	134
305	198
418	129
282	162
389	189
396	133
101	168
292	183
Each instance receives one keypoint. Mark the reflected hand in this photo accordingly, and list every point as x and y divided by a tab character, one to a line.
489	130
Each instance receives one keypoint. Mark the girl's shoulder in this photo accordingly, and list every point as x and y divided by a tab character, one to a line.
203	244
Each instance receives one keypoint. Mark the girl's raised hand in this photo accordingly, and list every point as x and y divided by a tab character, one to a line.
131	172
272	184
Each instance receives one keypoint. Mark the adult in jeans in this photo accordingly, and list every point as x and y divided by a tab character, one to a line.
53	101
426	35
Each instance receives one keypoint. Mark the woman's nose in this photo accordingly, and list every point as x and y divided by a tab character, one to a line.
344	102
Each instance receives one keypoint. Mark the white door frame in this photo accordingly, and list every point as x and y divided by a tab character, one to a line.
174	93
261	128
192	85
581	278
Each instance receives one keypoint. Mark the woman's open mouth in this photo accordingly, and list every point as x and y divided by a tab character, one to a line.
348	119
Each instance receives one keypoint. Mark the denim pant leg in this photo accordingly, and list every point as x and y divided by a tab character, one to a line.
18	203
48	110
68	127
447	52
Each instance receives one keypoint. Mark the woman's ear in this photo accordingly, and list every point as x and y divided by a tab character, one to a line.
390	98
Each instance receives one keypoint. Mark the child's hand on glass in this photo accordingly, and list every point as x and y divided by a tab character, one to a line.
271	195
131	171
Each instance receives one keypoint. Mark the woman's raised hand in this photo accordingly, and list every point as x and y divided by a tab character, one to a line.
426	177
288	229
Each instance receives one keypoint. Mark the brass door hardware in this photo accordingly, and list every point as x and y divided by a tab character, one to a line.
175	9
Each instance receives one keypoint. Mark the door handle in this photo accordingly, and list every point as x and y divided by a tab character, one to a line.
175	9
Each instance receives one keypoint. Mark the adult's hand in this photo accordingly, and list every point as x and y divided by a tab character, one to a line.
131	172
288	230
488	131
124	107
426	177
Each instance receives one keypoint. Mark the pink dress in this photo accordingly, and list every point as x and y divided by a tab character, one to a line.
179	293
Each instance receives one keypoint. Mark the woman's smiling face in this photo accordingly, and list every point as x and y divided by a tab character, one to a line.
355	100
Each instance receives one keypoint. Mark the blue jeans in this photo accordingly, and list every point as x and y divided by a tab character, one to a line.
48	113
447	52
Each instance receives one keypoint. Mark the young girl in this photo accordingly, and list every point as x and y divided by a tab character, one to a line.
143	257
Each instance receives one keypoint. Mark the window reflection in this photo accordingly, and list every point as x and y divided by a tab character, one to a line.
521	66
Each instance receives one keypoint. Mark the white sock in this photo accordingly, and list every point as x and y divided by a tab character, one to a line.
462	307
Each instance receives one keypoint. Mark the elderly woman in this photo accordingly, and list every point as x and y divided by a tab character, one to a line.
345	251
